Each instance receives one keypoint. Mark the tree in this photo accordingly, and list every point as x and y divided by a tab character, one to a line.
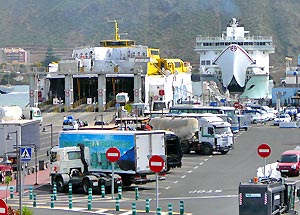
7	180
50	57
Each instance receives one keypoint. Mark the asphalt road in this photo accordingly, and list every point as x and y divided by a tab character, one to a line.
206	184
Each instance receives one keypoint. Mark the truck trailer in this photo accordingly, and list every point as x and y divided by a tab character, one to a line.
205	134
85	151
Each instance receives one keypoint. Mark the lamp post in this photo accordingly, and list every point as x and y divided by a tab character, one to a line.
51	132
19	178
35	158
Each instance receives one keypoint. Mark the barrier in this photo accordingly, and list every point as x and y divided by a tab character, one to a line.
34	200
117	204
11	190
181	207
120	192
170	209
147	205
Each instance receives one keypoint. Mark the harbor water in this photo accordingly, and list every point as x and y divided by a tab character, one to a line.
19	96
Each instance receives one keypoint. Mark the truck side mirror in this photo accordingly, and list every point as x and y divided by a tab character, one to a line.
298	193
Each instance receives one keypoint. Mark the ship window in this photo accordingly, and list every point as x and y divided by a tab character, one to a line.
227	44
208	62
202	62
246	43
240	43
144	54
216	53
222	44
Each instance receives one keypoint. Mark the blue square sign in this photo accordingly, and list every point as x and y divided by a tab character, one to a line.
25	154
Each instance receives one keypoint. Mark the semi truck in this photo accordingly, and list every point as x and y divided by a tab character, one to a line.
205	134
85	151
262	196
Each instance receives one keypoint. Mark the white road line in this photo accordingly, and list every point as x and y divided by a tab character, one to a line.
183	176
190	171
175	182
167	187
201	163
196	167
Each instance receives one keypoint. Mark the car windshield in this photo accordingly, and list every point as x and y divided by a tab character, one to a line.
289	159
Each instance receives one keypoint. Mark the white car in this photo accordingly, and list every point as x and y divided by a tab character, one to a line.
282	118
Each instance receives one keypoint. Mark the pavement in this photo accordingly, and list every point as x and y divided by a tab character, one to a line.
29	180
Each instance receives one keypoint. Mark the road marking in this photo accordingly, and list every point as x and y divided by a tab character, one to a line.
175	182
167	187
201	163
190	171
196	167
200	197
183	176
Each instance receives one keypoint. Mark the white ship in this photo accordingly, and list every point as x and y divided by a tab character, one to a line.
237	62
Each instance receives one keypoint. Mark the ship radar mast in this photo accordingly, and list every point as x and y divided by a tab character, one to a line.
234	24
117	41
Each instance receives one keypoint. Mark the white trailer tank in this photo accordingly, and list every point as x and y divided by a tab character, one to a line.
184	128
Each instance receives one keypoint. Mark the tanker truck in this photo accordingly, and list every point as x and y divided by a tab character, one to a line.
9	113
203	134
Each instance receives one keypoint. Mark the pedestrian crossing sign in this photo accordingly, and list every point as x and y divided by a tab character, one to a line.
25	154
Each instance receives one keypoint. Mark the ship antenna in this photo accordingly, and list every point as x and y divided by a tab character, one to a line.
117	35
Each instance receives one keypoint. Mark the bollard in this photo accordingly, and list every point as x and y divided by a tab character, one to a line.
54	191
120	192
11	190
30	193
90	193
52	201
136	193
34	200
70	202
181	207
70	189
89	203
158	211
102	191
147	206
170	209
117	204
133	208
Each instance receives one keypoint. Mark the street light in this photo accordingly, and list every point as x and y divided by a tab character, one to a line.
19	178
51	131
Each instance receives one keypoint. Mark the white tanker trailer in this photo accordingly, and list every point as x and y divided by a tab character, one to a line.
9	113
205	134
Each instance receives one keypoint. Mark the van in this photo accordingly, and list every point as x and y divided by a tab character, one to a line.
289	163
32	113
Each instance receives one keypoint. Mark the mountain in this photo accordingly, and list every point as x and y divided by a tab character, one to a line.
171	25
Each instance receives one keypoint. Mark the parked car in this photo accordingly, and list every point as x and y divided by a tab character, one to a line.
282	118
289	163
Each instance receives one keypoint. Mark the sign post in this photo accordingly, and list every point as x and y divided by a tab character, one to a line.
113	154
156	164
264	151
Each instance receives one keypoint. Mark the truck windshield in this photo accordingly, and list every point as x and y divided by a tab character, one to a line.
222	130
289	159
74	155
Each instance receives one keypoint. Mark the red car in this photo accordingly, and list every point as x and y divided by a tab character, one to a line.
289	163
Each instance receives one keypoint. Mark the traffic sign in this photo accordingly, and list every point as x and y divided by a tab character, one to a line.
264	150
236	105
156	163
3	207
25	154
113	154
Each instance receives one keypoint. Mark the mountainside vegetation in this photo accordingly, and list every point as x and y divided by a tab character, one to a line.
171	25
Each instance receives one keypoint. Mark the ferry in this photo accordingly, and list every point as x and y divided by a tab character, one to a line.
95	75
237	62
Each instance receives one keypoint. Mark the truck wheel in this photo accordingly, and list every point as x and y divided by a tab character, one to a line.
85	186
185	147
126	181
61	188
206	149
224	152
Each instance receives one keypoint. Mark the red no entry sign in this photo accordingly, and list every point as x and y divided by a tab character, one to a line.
264	150
236	105
156	163
113	154
3	207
